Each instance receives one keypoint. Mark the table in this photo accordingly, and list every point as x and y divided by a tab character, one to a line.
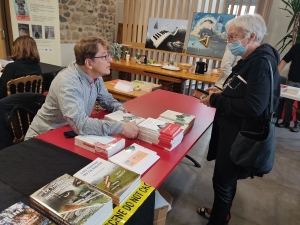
30	165
121	95
296	97
151	105
177	77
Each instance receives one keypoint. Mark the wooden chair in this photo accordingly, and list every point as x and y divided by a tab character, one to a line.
30	83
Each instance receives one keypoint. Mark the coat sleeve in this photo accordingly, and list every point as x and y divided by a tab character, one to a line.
256	97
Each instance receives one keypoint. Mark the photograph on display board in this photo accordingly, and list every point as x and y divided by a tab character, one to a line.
49	32
208	35
23	29
166	34
21	9
37	31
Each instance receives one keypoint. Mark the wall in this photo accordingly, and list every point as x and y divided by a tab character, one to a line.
81	18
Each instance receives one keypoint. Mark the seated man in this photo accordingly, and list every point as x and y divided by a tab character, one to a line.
73	93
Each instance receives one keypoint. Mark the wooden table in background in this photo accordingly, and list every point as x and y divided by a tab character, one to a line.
121	95
178	78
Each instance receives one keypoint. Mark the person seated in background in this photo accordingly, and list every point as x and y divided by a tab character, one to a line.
26	62
228	62
73	93
293	80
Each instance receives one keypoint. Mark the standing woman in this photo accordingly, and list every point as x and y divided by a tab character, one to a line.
245	107
26	62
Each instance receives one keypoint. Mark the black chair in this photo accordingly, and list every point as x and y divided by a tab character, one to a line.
16	113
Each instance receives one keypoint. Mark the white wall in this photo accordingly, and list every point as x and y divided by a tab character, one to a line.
277	26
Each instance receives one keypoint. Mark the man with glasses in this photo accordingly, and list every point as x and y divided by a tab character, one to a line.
73	93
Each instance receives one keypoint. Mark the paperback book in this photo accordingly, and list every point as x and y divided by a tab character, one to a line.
68	200
135	158
185	127
21	213
120	116
178	117
104	146
112	179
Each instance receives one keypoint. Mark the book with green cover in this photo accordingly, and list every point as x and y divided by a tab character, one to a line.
67	200
21	213
110	178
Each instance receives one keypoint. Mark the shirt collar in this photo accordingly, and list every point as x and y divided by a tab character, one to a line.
84	76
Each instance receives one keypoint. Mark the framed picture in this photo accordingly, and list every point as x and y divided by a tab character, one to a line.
208	36
166	34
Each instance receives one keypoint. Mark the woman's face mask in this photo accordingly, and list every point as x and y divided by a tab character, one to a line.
237	48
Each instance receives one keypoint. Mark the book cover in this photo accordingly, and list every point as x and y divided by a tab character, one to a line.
110	178
153	125
104	146
171	130
67	200
122	117
136	158
178	117
235	87
185	127
22	214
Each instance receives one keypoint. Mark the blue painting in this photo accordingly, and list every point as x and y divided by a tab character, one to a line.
208	36
166	34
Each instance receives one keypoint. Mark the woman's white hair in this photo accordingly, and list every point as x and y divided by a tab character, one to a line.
249	24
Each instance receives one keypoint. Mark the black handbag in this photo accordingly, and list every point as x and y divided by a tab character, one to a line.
255	152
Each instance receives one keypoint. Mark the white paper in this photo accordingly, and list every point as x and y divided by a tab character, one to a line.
124	86
4	62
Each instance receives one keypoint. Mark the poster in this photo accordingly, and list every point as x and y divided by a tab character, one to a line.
166	34
208	36
21	10
38	19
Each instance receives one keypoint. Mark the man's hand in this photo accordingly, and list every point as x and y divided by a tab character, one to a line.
130	130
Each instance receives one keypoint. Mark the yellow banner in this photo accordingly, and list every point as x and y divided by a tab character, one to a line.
123	212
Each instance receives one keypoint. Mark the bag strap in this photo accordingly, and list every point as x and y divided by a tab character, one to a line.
271	87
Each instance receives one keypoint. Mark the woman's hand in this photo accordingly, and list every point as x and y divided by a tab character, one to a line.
214	90
1	68
206	100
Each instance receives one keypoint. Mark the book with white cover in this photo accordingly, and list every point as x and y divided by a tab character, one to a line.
104	146
152	125
178	117
122	117
114	180
136	158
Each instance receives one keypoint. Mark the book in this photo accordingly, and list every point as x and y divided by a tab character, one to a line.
135	158
22	214
185	127
170	130
235	87
120	116
104	146
112	179
178	117
67	200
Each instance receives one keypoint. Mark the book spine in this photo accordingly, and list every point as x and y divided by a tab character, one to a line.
84	145
48	213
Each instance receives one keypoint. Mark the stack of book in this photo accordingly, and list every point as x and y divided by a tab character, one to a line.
179	117
184	127
114	180
21	213
104	146
120	116
135	158
68	200
160	133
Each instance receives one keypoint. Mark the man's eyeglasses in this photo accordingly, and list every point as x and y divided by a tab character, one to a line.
105	57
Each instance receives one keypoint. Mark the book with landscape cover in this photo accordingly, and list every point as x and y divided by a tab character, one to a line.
136	158
67	200
178	117
110	178
21	213
185	127
122	117
104	146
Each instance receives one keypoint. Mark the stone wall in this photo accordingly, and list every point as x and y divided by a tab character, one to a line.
81	18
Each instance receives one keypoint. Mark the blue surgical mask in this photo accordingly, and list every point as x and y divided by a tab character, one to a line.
236	48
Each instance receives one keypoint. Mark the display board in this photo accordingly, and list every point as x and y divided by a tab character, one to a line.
38	19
